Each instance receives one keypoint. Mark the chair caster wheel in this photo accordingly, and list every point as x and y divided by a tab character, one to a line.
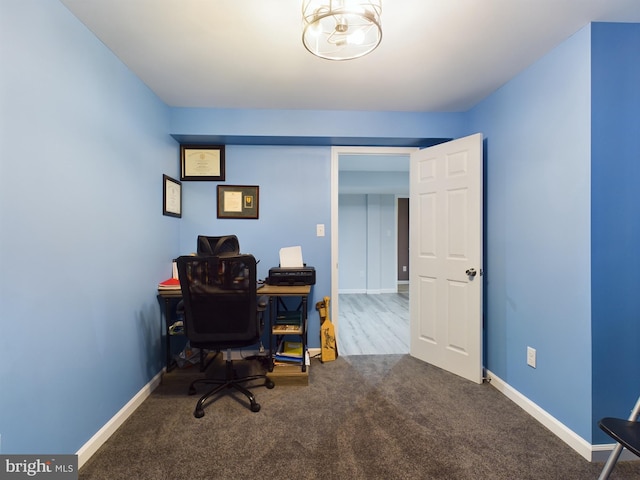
255	407
269	384
199	413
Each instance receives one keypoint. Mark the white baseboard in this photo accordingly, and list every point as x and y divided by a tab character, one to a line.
102	435
592	453
600	453
314	352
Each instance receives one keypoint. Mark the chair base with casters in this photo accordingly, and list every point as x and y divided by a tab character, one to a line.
626	433
230	381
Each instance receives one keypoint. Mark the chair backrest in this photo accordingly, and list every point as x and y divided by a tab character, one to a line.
224	245
220	305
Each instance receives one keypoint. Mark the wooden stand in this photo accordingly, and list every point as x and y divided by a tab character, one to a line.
289	375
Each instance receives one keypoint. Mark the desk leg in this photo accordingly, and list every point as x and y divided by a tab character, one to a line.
272	308
304	333
170	364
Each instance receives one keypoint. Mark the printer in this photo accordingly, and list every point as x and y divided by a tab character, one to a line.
292	276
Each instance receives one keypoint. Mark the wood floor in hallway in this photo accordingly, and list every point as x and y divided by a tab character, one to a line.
373	324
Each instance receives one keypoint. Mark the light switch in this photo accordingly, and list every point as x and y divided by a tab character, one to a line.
320	230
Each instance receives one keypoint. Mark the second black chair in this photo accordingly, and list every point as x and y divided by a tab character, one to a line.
222	312
627	435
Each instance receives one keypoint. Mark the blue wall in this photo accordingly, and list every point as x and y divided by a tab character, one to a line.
394	128
537	223
615	234
83	243
295	195
561	227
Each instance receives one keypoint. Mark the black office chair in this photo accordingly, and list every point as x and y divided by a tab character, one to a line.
222	312
627	435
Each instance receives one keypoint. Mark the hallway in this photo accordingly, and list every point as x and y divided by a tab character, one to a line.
374	324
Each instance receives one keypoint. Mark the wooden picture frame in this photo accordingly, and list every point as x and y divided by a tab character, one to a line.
238	201
202	163
171	197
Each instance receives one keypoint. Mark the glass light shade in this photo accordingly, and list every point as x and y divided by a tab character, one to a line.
341	29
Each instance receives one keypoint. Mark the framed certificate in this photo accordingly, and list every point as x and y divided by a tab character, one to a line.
238	201
202	162
171	197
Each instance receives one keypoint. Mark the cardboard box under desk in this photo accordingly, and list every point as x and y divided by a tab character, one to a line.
289	375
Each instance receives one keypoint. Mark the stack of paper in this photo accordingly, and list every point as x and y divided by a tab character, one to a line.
291	257
169	284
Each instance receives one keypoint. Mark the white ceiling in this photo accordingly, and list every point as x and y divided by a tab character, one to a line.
435	55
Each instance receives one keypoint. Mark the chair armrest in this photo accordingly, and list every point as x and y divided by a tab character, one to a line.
263	301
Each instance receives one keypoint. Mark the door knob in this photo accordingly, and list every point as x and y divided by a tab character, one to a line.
471	272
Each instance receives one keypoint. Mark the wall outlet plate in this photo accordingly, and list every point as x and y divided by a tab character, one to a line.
531	357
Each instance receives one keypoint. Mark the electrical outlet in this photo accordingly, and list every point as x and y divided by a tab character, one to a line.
404	268
531	357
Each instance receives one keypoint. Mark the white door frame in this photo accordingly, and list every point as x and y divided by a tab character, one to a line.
335	156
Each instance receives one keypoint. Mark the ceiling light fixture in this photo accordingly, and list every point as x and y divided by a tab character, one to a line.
341	29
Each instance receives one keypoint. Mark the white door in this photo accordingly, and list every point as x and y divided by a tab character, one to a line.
445	256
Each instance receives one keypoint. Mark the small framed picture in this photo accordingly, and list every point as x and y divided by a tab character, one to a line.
238	201
171	197
202	162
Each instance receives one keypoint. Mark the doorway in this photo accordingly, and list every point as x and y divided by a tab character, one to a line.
403	243
370	181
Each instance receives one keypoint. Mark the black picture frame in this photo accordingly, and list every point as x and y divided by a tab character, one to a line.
202	163
238	201
171	197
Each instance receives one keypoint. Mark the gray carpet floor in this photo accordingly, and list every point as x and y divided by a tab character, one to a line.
360	417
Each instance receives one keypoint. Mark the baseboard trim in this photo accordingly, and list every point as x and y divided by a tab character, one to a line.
601	452
592	453
102	435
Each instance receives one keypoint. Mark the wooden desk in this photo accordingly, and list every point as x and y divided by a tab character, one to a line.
276	293
285	290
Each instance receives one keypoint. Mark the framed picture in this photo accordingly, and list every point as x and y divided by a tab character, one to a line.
238	201
202	162
171	197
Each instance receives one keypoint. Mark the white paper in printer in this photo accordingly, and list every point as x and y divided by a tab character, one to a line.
291	257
